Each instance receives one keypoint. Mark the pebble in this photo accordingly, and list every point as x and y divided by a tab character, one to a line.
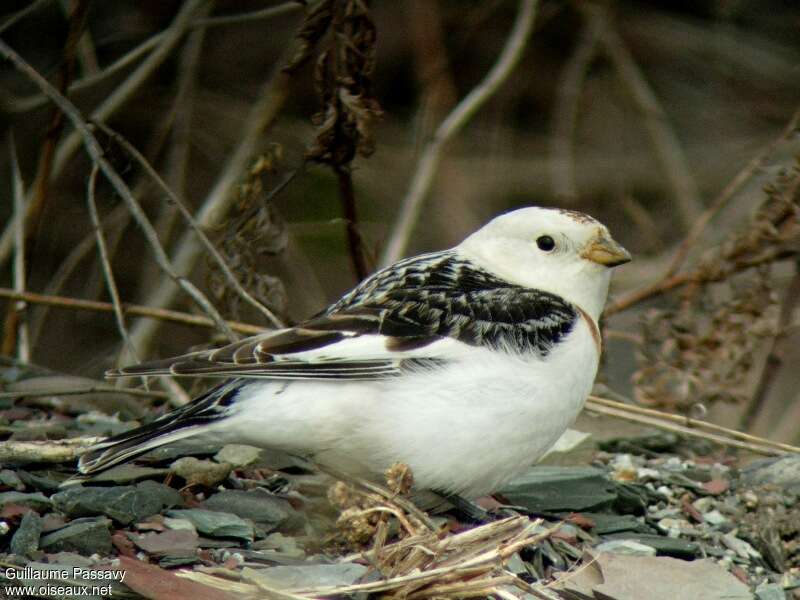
257	505
26	538
125	504
238	455
216	524
770	591
628	547
84	536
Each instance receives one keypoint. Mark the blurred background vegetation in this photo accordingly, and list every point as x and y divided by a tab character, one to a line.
296	154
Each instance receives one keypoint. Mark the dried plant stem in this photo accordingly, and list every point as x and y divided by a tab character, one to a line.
108	273
161	314
194	226
256	15
354	241
113	102
728	193
411	205
688	427
565	111
17	338
95	151
665	141
777	351
220	198
21	14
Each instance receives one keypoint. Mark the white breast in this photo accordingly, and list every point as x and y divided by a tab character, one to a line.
467	428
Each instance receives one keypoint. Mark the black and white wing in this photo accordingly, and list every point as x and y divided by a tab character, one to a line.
420	311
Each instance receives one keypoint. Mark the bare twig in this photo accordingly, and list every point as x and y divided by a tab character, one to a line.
113	102
354	241
108	272
96	153
21	14
193	225
411	206
728	193
777	351
687	426
84	48
256	15
28	103
665	142
162	314
565	111
219	199
18	331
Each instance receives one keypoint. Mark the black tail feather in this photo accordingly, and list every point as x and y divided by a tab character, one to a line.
178	424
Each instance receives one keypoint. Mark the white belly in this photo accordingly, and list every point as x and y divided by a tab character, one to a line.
467	428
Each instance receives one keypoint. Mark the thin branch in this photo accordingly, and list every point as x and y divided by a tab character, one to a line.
28	103
666	144
108	273
354	241
728	193
114	101
777	352
687	426
220	198
565	111
21	14
678	280
193	224
256	15
20	330
161	314
425	171
96	153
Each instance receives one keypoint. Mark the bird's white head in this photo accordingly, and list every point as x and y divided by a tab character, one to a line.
559	251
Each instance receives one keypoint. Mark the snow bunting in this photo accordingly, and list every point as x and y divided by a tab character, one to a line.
465	364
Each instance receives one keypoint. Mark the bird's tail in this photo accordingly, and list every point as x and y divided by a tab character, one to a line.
181	423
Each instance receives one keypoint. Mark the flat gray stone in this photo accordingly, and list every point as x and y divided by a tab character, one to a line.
258	505
26	538
628	547
84	536
555	489
665	546
770	591
36	500
125	504
238	455
216	524
783	471
302	576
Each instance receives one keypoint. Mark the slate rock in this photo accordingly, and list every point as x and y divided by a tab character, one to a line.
200	472
216	524
783	471
174	542
628	547
555	489
26	539
10	479
300	576
36	500
665	546
125	504
605	523
238	455
622	577
43	481
770	591
84	536
258	505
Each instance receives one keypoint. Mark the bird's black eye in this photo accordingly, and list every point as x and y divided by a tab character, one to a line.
545	243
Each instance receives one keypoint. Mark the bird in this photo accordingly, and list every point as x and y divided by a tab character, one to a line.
465	364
